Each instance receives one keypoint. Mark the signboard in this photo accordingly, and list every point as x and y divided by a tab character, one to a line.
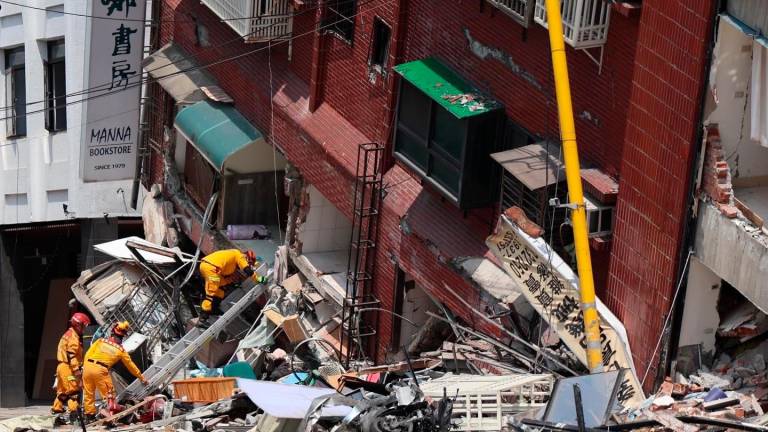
113	81
551	287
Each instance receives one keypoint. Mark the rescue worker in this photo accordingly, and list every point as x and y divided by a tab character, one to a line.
220	270
69	370
101	356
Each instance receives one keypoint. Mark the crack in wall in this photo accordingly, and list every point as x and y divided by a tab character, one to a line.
485	52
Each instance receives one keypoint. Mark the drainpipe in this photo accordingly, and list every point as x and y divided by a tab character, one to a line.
318	60
573	179
669	350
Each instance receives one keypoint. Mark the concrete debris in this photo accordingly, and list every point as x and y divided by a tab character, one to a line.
273	358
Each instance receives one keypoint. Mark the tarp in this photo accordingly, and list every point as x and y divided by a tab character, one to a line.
552	288
288	400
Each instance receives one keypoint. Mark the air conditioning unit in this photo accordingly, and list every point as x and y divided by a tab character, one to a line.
585	22
257	21
599	218
519	10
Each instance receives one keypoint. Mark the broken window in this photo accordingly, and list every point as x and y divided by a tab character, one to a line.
379	46
340	18
15	92
55	88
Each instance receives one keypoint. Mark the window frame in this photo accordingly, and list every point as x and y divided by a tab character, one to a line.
432	151
375	64
344	27
55	105
18	116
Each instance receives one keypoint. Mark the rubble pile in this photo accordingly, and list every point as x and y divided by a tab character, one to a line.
273	359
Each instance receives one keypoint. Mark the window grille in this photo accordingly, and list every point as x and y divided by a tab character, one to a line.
585	22
520	10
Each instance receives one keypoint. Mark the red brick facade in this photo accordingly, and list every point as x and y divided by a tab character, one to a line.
636	120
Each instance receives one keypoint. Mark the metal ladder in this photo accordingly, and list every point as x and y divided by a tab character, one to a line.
165	368
356	325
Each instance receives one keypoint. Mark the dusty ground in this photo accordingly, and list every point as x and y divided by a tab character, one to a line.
6	413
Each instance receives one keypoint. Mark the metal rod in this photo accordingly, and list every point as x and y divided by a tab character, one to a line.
579	407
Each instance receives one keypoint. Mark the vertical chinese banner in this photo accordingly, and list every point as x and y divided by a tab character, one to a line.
551	288
113	84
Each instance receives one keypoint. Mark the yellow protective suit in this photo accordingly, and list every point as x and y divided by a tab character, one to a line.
220	269
70	358
99	359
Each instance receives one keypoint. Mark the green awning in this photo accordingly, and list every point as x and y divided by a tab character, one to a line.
446	87
217	130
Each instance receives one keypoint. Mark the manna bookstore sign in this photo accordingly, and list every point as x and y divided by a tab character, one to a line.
113	81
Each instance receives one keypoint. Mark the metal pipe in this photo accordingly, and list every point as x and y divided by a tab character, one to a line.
573	179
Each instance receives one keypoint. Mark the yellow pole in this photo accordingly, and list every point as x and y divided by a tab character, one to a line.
573	178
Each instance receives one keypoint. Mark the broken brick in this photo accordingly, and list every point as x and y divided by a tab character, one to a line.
728	211
517	215
666	387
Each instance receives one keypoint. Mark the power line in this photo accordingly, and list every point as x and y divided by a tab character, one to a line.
276	40
100	87
109	18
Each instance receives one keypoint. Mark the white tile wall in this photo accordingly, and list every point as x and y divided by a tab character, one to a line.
326	228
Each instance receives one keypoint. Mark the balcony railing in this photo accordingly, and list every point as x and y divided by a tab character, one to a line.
255	20
585	22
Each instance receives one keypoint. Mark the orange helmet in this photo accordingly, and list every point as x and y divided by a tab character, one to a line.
250	256
121	328
79	321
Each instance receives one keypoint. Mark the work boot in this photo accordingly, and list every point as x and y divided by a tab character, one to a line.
59	420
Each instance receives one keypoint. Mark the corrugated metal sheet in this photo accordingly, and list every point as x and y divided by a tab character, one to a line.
753	13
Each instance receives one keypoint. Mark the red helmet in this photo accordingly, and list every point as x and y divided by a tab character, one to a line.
250	256
79	320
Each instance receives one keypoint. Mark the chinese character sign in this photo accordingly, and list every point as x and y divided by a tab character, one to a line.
551	288
111	129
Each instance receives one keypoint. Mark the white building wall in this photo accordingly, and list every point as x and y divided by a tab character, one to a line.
41	171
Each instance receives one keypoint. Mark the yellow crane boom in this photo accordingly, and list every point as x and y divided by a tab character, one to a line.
573	179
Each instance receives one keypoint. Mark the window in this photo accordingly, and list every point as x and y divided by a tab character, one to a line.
379	46
599	218
340	18
55	88
15	92
451	153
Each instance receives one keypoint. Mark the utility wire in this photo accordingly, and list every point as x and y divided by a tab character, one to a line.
101	87
160	21
276	41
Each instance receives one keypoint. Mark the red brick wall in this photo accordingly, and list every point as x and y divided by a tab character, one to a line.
659	145
650	106
347	87
524	84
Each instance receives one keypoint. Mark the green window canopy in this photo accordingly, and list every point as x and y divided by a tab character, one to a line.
218	131
446	87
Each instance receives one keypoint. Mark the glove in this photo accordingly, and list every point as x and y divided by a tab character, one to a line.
259	279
